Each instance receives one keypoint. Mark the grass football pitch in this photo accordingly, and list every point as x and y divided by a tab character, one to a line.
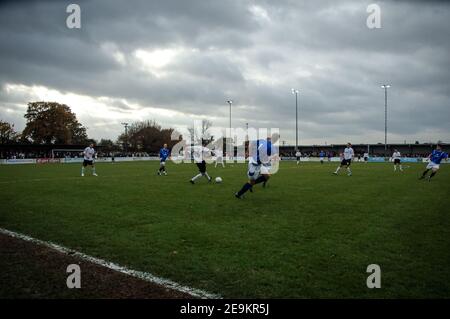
308	234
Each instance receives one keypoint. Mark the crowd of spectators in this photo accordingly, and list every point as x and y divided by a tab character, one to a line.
79	154
65	154
357	154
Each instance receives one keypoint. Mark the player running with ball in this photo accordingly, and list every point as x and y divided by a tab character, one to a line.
200	153
347	160
435	160
259	164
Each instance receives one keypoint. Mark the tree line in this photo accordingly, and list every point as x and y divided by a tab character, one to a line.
55	123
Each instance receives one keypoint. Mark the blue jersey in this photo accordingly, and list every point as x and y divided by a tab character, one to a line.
437	156
261	150
164	154
322	154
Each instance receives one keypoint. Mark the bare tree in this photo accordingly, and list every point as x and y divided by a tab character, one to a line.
200	132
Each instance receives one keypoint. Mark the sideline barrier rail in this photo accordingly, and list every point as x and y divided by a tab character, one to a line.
156	158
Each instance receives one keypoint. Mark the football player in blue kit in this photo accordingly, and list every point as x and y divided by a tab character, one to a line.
435	160
164	154
259	164
321	156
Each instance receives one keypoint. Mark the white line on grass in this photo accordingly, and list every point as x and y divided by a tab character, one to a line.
166	283
80	178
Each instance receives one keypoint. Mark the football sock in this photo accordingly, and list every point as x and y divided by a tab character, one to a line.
196	176
207	176
244	188
82	170
338	169
425	173
260	179
432	174
93	170
349	170
401	168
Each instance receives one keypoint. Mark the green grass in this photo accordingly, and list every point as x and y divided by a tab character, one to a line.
308	234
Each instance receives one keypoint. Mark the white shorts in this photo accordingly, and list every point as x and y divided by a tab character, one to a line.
255	170
432	165
265	169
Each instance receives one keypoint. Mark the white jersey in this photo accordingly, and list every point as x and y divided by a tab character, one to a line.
396	155
348	153
201	153
219	153
298	154
366	154
89	153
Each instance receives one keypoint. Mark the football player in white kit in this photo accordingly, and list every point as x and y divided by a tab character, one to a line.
347	160
88	153
366	157
298	154
396	156
200	154
219	157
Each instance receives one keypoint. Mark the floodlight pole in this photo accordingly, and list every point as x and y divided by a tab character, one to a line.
294	91
246	130
230	102
385	87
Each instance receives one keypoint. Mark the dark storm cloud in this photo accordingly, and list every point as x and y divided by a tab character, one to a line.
250	51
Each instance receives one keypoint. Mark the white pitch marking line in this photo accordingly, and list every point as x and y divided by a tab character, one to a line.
166	283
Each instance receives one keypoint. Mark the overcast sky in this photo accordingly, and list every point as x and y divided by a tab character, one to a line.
179	61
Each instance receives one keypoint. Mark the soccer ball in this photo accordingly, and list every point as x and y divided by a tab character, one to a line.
218	179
